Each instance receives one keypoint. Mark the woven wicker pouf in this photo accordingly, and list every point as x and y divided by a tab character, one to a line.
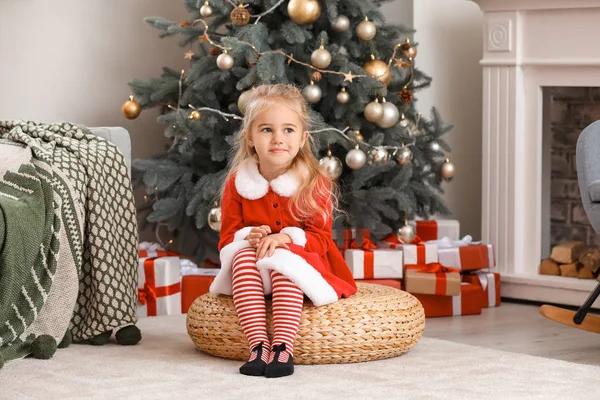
377	322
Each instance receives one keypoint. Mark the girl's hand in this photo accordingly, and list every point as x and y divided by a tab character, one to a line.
269	243
257	233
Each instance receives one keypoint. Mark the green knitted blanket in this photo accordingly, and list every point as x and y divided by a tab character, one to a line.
68	236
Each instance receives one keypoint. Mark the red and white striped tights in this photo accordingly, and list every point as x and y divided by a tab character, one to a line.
249	303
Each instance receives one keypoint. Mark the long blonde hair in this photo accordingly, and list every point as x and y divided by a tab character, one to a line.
315	184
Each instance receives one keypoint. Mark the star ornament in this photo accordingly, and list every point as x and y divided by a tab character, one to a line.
189	54
348	76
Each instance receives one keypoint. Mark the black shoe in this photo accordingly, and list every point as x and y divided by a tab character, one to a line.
257	366
277	369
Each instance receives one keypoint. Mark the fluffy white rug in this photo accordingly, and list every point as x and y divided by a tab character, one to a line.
166	365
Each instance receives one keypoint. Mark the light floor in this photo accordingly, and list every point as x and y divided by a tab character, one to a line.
518	328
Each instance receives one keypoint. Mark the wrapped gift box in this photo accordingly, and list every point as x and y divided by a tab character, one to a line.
436	229
194	286
433	278
159	286
156	253
395	283
467	303
489	282
374	264
468	258
413	253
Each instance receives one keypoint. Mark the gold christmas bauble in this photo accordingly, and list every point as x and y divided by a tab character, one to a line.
406	234
332	165
240	16
304	12
320	58
378	155
448	170
312	93
343	96
206	10
409	51
195	115
390	116
215	219
243	100
374	111
131	109
224	61
366	30
404	156
358	136
356	158
341	24
379	70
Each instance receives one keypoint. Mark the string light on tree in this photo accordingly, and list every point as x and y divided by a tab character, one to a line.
304	12
341	24
343	96
131	109
206	10
366	30
403	121
332	165
195	115
358	136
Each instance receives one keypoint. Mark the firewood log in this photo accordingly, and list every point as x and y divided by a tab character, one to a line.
567	252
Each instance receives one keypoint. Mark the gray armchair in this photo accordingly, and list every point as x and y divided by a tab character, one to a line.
588	174
120	137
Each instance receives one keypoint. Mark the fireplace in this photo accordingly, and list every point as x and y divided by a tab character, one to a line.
529	45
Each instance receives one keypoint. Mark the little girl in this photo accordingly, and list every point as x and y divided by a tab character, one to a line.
276	229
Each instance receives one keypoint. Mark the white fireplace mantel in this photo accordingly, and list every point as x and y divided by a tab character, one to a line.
528	45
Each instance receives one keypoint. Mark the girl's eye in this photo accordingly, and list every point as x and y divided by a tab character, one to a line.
289	130
266	130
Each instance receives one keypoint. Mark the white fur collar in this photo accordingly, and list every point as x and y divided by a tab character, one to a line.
251	185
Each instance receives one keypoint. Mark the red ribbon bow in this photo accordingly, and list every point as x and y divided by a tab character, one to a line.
146	293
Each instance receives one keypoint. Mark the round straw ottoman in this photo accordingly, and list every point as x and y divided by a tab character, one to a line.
377	322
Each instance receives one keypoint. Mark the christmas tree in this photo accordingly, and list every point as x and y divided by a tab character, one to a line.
357	73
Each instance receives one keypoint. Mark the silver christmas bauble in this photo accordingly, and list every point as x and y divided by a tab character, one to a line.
366	30
320	58
312	93
341	24
378	155
356	158
214	219
343	97
243	100
406	234
390	116
374	111
332	165
206	10
448	170
404	156
224	61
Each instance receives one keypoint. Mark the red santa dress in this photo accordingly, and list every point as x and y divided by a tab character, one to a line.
313	262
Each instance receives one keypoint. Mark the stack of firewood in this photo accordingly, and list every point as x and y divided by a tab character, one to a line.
573	259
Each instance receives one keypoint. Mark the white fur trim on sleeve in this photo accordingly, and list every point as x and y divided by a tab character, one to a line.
295	268
242	233
297	234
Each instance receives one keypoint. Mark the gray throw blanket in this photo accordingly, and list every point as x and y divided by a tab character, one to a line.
68	236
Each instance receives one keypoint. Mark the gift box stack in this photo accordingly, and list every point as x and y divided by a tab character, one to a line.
169	283
449	276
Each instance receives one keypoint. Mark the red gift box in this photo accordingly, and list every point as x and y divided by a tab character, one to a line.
489	282
192	287
156	253
395	283
467	303
468	258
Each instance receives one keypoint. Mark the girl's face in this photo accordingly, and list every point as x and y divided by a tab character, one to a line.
277	135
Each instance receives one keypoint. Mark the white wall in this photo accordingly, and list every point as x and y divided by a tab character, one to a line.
450	38
70	60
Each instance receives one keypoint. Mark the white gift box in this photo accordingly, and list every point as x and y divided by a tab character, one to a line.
159	286
385	263
436	229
